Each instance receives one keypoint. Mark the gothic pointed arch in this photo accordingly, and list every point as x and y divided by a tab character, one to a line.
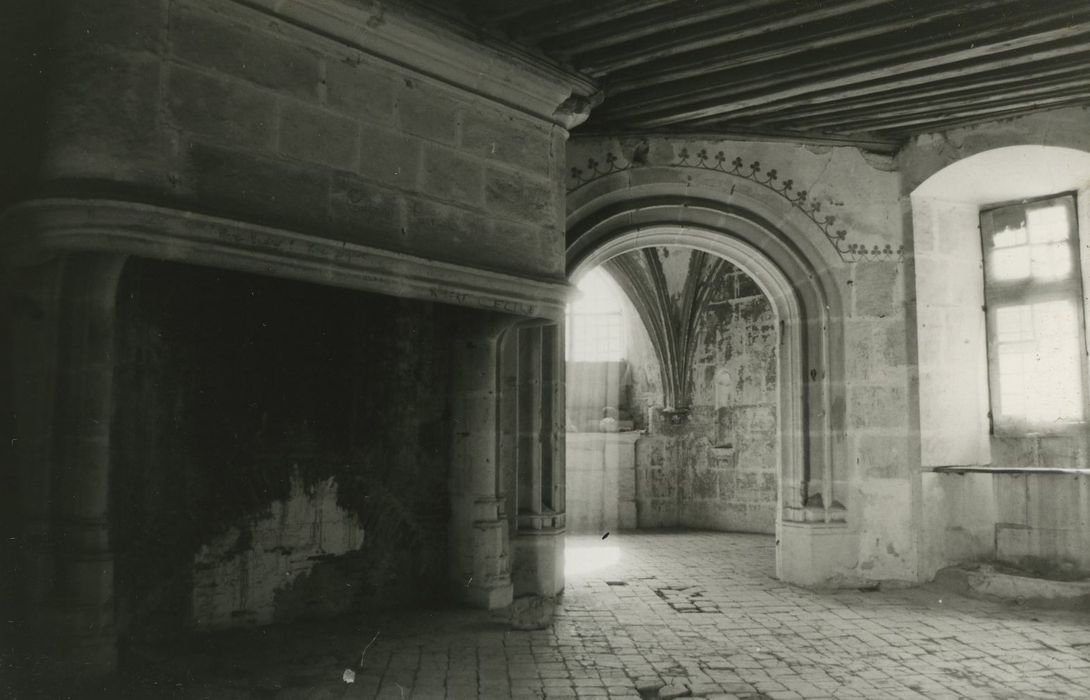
751	230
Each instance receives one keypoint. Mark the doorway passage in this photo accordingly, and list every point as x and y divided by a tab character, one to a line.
672	396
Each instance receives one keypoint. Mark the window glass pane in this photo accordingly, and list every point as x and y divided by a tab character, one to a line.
1051	261
1048	224
1012	382
1035	325
1007	237
1040	377
1030	241
595	321
597	294
1009	264
1013	323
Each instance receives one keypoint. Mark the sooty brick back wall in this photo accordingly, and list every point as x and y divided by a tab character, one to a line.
233	391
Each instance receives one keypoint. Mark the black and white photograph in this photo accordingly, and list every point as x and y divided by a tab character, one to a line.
544	349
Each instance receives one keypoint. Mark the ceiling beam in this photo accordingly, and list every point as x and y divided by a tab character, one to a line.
822	103
916	104
533	27
762	48
636	53
496	12
969	121
655	21
974	37
929	68
901	126
890	121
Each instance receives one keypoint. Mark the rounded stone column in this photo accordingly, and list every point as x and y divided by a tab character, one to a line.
479	556
62	363
538	545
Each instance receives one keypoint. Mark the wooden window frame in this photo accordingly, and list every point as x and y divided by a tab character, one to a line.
999	294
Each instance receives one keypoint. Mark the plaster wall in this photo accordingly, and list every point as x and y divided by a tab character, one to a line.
929	153
952	344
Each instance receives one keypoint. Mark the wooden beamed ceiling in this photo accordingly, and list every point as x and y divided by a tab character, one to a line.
871	72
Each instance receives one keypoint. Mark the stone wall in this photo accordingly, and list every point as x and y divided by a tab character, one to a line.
734	407
24	60
1036	521
281	450
216	106
717	469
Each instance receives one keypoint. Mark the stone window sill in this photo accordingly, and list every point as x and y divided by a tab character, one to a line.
1007	470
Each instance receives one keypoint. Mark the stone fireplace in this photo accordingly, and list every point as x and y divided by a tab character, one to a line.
234	444
259	263
280	449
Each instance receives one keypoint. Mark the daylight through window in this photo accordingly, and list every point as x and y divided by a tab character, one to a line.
596	321
1033	295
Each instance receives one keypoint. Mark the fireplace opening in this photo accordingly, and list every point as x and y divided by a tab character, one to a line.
280	452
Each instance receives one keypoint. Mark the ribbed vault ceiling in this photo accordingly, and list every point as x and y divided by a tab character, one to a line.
869	72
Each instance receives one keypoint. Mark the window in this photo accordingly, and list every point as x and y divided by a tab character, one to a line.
596	321
1033	297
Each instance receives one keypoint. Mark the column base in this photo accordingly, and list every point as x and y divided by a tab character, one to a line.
490	597
538	566
483	575
816	554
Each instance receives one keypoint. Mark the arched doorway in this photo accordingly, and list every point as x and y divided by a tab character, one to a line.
697	395
807	311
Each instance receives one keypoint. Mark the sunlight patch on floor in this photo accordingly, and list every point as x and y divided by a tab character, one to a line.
585	559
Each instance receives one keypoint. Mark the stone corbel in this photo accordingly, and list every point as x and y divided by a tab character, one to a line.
576	109
438	47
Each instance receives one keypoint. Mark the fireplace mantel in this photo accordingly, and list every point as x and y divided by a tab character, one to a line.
36	230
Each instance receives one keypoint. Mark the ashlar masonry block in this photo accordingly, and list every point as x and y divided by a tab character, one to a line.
203	39
221	110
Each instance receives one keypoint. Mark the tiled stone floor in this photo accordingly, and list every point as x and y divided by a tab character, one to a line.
700	611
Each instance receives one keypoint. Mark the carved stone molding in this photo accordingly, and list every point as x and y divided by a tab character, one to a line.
576	109
438	49
39	229
825	222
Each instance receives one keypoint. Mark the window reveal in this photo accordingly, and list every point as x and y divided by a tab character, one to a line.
1033	293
